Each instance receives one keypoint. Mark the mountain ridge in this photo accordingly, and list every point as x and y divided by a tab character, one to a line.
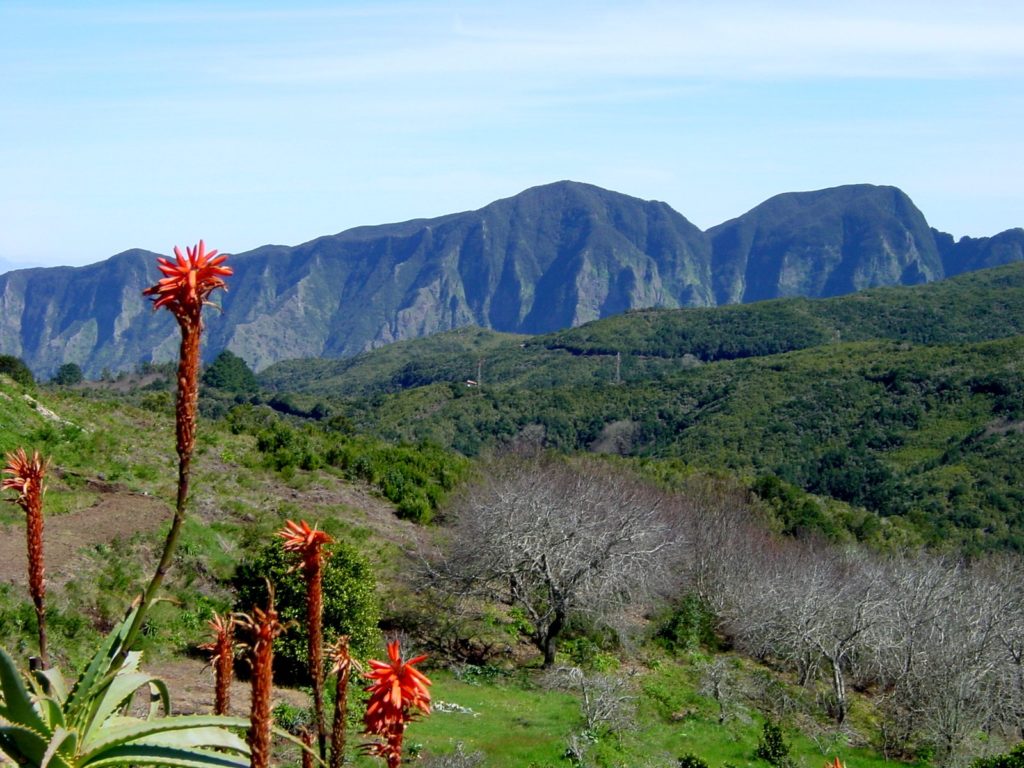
551	257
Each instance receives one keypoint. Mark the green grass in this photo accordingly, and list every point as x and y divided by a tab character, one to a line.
514	726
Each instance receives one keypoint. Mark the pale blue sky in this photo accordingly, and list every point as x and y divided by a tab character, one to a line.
150	124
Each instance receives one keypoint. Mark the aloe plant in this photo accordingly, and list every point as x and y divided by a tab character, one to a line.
47	725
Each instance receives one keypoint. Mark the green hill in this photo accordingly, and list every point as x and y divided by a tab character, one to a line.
902	401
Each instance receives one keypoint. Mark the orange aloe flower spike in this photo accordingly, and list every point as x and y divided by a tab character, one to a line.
308	544
222	658
188	280
26	477
398	688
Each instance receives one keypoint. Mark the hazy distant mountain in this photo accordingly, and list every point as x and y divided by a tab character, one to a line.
551	257
972	253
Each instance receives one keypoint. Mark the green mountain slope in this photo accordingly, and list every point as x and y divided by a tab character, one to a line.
929	433
905	401
988	304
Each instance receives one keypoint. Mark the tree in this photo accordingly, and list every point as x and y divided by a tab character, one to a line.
68	375
15	368
554	539
230	373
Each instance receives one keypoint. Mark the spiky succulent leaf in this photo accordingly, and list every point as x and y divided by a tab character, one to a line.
16	704
62	745
181	731
135	754
51	683
23	744
82	697
118	694
159	697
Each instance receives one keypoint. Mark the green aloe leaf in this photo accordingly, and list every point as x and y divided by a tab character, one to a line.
162	731
117	694
54	755
166	756
23	744
82	693
52	684
16	705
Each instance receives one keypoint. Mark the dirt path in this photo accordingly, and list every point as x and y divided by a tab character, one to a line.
117	514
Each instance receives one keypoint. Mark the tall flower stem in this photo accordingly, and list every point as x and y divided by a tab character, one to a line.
26	477
222	657
185	421
343	670
263	628
308	543
184	289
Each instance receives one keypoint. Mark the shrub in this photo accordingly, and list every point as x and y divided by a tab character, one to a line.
349	594
692	761
687	626
1012	759
68	375
17	370
230	373
772	746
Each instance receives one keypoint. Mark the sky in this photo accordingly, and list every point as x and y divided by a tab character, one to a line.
154	124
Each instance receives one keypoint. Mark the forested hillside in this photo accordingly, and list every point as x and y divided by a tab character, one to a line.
904	402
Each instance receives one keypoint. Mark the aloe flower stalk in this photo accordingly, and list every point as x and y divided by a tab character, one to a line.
308	543
263	628
342	669
222	657
397	695
186	286
307	753
26	477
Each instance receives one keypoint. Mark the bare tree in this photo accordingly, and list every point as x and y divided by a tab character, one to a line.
555	539
606	701
942	663
1008	574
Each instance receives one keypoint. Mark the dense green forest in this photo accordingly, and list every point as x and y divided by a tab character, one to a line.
904	402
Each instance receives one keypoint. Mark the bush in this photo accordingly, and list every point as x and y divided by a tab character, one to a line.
772	746
350	602
68	375
230	373
17	370
692	761
1012	759
689	625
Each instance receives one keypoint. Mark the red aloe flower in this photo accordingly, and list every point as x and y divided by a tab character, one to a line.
397	691
263	628
308	544
27	479
187	282
222	657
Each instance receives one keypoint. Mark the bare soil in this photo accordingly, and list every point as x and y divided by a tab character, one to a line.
190	682
117	514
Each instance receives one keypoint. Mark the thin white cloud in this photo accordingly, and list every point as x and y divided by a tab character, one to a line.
688	41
